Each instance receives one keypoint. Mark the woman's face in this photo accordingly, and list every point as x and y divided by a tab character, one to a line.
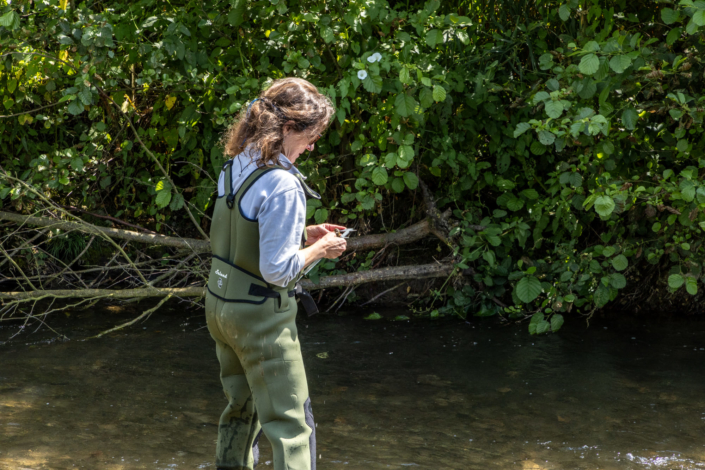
296	142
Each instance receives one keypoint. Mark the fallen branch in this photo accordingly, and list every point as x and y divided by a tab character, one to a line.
402	237
105	294
408	235
418	271
190	243
351	279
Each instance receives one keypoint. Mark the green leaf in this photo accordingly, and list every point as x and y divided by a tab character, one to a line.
564	12
620	262
390	160
602	295
86	96
536	318
682	145
411	180
669	16
595	267
556	322
604	205
620	63
537	148
699	18
547	137
77	163
434	37
675	281
515	204
398	185
618	281
404	105
379	176
541	96
11	85
237	13
521	128
321	215
10	20
588	90
691	285
673	35
327	34
527	289
163	198
576	180
426	97
439	93
629	118
688	193
542	327
76	107
589	64
177	202
405	156
372	83
530	194
554	109
691	28
404	76
373	316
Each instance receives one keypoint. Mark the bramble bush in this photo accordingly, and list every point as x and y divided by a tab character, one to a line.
571	131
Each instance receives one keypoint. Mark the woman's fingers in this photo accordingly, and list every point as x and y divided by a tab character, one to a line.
331	227
333	246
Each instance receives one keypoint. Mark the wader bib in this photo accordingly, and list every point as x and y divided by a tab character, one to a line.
253	324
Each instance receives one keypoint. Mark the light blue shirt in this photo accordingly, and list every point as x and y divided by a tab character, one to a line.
278	202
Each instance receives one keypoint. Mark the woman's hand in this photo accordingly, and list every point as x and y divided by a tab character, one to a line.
331	246
328	246
316	232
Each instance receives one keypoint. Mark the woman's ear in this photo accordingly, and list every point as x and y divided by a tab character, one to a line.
288	127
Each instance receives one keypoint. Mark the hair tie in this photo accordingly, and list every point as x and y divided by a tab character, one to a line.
267	100
250	106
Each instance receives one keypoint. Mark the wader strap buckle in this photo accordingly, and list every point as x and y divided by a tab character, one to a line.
306	300
230	201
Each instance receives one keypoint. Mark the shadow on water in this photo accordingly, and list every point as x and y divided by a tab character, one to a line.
392	395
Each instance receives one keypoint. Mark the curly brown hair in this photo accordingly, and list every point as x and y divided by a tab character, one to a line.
292	103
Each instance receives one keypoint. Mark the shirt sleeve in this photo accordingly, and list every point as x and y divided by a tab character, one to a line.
282	220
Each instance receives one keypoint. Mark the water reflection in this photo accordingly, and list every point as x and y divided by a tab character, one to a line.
442	395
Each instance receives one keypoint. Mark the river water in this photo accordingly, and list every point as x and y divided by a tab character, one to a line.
386	395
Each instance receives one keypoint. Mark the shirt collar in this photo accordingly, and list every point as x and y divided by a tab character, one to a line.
286	163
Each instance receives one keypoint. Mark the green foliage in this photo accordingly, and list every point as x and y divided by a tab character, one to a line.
566	137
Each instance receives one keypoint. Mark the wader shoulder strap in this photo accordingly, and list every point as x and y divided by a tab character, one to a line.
230	198
247	184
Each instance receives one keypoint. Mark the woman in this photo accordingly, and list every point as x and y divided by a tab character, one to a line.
260	247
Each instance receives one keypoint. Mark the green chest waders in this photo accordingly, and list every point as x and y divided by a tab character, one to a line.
253	324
